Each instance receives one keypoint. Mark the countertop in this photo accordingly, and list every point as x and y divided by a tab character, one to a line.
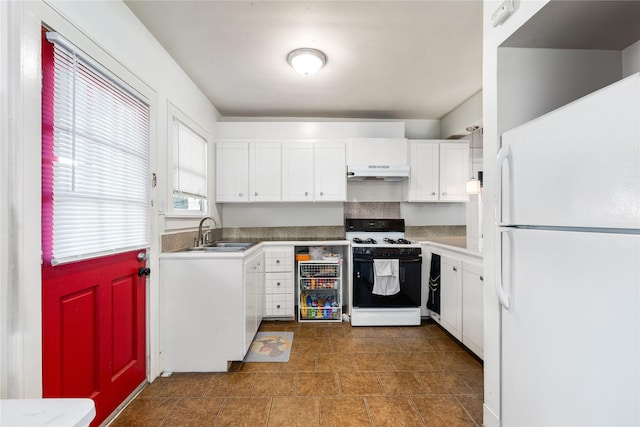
452	243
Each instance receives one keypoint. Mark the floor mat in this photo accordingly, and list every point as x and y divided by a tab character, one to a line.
270	347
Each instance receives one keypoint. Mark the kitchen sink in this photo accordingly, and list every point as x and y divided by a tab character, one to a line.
241	245
220	247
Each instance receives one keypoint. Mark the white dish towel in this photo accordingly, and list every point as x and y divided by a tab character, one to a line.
385	277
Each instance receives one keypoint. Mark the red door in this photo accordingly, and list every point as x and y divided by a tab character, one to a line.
93	310
94	330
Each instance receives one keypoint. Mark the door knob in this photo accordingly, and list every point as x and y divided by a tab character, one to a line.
142	255
144	271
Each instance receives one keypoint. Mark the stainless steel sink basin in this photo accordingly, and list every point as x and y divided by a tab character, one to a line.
241	245
220	247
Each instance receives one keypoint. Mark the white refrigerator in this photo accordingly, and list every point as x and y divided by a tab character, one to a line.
568	263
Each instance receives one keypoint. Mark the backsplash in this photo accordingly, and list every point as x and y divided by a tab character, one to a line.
284	233
176	241
185	239
423	231
376	210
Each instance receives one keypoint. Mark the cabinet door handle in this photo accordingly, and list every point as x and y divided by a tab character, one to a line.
241	194
482	278
322	193
278	306
444	194
278	284
255	194
433	193
277	261
306	193
455	268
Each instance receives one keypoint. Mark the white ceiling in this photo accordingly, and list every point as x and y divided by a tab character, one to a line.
386	59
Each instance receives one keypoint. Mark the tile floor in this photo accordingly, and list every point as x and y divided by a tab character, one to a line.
337	375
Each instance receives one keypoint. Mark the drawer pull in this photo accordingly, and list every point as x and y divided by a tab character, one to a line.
277	261
278	306
278	284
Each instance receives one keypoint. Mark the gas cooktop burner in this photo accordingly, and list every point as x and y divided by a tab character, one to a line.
369	241
400	241
377	233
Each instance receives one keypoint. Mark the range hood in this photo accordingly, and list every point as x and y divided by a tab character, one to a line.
377	172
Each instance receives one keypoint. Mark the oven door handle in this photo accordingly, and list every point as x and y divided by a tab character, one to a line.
402	260
416	260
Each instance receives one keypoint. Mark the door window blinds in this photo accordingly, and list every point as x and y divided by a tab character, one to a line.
99	159
189	169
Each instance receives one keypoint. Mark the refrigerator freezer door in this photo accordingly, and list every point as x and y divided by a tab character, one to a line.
578	166
571	338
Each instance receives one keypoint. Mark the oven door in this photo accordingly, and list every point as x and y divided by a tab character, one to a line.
409	272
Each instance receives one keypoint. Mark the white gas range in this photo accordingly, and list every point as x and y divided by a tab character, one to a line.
386	273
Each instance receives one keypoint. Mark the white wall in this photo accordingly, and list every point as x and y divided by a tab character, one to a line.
469	113
631	59
536	81
365	128
107	31
283	214
419	214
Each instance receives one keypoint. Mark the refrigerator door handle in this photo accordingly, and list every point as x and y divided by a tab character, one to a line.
499	285
503	155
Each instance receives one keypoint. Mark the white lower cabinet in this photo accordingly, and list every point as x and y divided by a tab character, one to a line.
451	295
254	291
461	298
210	309
473	307
279	282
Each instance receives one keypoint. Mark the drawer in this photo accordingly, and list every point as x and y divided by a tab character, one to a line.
279	283
279	305
278	260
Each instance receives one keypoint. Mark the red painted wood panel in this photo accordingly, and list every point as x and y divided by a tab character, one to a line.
94	330
123	349
79	320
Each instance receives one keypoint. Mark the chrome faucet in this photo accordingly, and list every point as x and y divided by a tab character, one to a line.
201	239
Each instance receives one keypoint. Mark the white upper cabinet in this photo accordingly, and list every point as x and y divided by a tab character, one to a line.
454	171
330	172
232	172
297	172
274	172
439	171
248	172
265	166
424	179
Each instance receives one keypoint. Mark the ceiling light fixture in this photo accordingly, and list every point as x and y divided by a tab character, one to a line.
306	61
